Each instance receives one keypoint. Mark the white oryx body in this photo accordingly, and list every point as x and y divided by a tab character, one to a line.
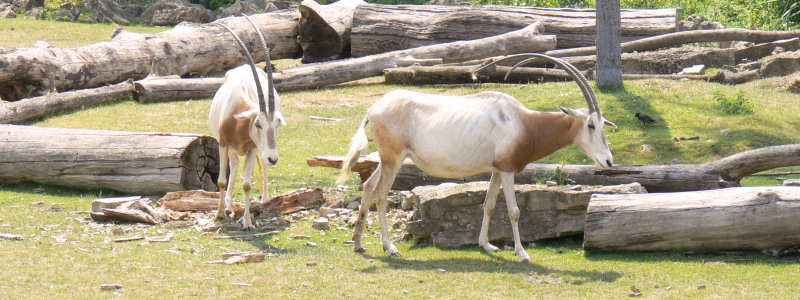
456	136
245	126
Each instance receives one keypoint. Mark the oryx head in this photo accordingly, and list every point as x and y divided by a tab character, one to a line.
265	121
590	137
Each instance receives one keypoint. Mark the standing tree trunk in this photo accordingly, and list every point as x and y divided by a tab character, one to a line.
325	29
729	219
609	53
143	163
382	28
187	49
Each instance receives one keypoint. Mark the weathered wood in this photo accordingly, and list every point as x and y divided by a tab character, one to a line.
162	89
324	30
726	219
196	200
294	201
144	163
450	214
463	74
99	204
28	109
187	49
315	75
609	60
725	172
382	28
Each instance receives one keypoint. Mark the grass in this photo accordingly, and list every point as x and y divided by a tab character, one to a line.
61	257
23	32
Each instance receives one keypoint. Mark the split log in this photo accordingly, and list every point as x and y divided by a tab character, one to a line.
38	107
197	200
727	219
144	163
450	215
324	30
725	172
464	74
294	201
382	28
187	49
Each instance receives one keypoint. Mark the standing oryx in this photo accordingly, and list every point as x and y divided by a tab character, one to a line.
244	125
456	136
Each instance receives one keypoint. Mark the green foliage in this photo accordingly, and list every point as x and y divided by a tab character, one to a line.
736	106
558	176
54	5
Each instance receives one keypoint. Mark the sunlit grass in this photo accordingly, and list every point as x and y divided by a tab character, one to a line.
24	32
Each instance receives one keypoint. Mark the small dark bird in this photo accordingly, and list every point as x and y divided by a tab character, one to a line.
645	118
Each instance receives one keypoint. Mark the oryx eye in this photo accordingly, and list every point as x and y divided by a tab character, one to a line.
258	126
591	126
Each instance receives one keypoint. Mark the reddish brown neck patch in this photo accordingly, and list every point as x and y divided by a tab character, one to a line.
544	133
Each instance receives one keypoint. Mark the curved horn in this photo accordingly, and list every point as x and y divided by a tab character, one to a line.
252	64
588	92
271	85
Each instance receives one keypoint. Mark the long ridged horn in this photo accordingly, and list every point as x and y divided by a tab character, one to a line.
271	95
588	92
252	65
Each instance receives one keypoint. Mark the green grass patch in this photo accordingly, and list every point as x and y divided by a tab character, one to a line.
23	32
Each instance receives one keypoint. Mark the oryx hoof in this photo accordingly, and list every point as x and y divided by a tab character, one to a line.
490	248
359	249
524	257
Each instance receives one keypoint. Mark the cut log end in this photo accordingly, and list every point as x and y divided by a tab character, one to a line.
200	165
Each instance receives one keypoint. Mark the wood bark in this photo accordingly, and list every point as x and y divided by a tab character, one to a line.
47	105
382	28
727	219
143	163
325	29
163	89
463	74
725	172
187	49
609	60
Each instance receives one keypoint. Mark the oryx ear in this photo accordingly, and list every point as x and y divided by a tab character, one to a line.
246	114
568	111
609	123
279	115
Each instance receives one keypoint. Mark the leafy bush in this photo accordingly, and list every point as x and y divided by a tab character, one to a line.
558	176
735	106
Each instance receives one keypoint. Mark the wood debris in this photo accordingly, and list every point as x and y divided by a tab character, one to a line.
251	236
128	239
10	236
110	286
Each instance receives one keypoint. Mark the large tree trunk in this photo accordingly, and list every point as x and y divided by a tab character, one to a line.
726	219
725	172
187	49
382	28
32	108
325	29
463	74
163	89
450	215
143	163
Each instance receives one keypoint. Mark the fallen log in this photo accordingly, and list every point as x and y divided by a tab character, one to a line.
449	215
382	28
324	30
187	49
725	172
163	89
145	163
316	75
197	200
463	74
37	107
727	219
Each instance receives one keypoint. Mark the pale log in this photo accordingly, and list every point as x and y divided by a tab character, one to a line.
382	28
725	172
163	89
187	49
143	163
50	104
324	30
609	60
727	219
463	74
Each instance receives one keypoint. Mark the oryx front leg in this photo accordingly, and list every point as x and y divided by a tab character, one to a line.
513	214
222	182
247	219
387	178
265	191
488	209
233	160
366	200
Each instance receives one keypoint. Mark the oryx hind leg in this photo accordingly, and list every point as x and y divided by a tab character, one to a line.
507	179
488	208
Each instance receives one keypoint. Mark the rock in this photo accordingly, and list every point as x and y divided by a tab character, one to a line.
247	7
450	214
321	223
171	12
408	200
694	70
780	64
353	205
7	11
36	13
23	5
791	182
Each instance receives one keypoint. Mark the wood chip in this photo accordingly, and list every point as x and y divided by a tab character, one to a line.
242	257
10	236
241	284
110	286
325	118
247	236
128	239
